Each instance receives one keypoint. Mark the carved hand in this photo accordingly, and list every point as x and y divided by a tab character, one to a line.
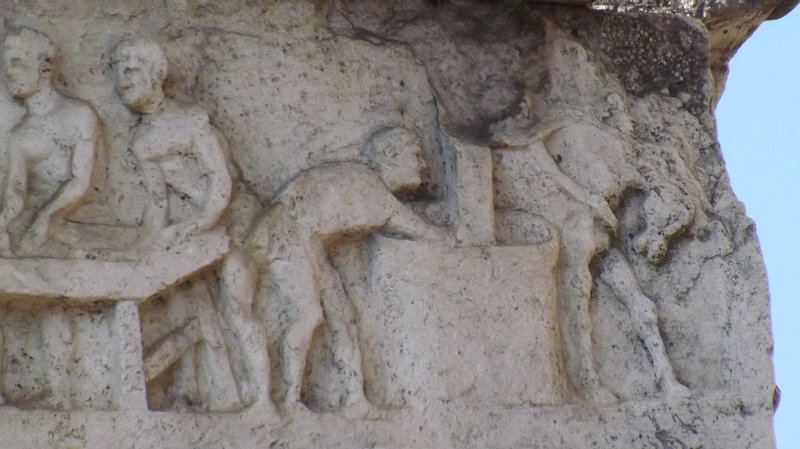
35	236
651	244
604	212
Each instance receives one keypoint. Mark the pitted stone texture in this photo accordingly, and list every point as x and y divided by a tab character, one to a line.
729	23
362	223
641	424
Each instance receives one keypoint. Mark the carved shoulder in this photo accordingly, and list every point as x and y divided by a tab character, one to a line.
81	116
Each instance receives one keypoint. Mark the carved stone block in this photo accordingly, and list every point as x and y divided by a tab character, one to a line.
418	293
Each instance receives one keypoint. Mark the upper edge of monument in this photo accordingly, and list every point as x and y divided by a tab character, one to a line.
768	9
729	23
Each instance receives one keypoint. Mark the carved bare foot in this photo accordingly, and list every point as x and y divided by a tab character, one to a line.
161	239
33	238
5	246
599	394
674	389
289	409
176	233
287	399
358	407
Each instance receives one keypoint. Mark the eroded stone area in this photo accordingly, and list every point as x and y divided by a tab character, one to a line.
357	223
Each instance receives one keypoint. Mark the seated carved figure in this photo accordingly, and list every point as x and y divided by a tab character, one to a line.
178	149
184	170
51	151
289	246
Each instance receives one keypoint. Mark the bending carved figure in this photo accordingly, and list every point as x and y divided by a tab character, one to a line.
51	151
177	147
289	247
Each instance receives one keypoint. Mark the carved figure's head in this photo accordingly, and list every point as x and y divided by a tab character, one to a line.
28	58
395	155
140	67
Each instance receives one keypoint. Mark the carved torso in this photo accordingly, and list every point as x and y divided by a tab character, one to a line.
46	144
172	139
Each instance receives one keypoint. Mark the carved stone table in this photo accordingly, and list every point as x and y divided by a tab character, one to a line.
88	351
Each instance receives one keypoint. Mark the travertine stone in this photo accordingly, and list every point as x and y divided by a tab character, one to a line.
482	363
468	171
363	223
51	150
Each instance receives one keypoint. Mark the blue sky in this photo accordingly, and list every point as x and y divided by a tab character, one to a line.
758	121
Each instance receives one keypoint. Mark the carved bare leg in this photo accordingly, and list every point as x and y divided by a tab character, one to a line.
246	341
293	351
617	274
215	381
5	244
579	247
171	348
346	353
294	288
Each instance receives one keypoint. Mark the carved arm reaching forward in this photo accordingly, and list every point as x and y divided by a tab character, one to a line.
84	153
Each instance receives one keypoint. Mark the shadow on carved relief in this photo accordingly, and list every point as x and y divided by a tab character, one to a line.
489	252
203	351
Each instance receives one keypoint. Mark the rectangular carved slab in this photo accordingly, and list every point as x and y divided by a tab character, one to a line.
478	323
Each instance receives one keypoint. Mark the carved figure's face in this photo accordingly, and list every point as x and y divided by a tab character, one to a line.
404	166
23	71
135	83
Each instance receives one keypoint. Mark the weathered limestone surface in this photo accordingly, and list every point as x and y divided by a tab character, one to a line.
363	223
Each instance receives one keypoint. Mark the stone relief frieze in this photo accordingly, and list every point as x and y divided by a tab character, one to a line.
327	223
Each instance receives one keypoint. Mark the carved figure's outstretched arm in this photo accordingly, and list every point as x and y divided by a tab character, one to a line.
84	153
403	222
